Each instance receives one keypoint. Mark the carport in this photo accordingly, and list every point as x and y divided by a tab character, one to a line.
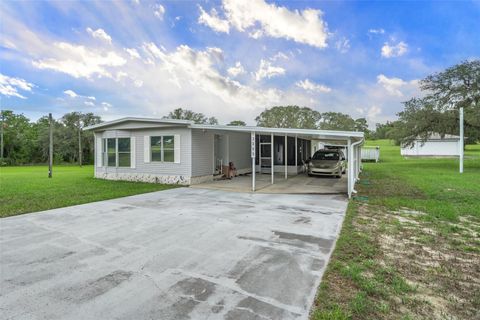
281	153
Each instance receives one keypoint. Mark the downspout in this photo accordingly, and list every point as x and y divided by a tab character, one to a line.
352	154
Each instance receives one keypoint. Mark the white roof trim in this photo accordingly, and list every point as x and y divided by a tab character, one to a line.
289	131
308	132
153	120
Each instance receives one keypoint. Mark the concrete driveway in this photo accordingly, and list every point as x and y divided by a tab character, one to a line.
297	184
178	254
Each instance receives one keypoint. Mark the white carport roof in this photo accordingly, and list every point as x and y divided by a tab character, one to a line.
304	133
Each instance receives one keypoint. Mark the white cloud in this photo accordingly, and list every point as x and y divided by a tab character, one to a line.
213	21
311	86
390	51
7	44
106	106
9	86
190	67
88	99
373	112
89	103
236	70
71	93
343	45
394	86
260	18
157	82
266	70
100	34
80	61
376	31
360	110
133	53
159	11
279	55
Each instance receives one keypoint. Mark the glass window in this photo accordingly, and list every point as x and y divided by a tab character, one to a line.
168	148
326	155
111	152
156	148
162	148
124	152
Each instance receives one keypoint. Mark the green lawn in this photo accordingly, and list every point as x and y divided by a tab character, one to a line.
28	189
410	244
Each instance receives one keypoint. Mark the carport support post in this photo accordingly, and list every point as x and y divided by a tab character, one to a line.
253	147
285	159
296	155
355	172
350	167
271	157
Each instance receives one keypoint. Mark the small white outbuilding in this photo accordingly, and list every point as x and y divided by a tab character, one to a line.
434	146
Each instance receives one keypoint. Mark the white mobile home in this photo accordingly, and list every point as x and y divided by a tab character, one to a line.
181	152
435	145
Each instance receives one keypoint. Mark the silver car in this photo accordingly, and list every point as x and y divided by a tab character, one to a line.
327	162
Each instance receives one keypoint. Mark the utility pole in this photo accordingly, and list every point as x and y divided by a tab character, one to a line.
50	147
1	137
461	140
79	144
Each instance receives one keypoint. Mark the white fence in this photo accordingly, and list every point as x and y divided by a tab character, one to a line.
371	154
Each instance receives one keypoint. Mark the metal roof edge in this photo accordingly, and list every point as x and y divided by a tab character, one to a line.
356	134
190	124
125	119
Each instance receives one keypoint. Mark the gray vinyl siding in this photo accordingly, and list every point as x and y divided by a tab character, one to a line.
202	153
159	168
239	149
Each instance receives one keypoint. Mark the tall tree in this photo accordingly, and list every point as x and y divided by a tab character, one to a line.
238	123
383	130
18	137
445	92
72	121
337	121
289	117
196	117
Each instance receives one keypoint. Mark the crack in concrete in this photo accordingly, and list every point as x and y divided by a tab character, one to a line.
230	284
251	311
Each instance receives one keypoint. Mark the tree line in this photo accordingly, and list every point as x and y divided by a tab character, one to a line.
26	142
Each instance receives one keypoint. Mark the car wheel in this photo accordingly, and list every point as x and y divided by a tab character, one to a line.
310	175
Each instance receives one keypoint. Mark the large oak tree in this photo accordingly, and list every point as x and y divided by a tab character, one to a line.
444	93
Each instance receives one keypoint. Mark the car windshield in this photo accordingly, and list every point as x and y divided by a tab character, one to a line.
325	155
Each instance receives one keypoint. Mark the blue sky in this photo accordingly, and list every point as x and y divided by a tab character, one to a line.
230	59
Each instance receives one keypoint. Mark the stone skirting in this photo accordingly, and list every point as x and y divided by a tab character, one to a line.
144	177
201	179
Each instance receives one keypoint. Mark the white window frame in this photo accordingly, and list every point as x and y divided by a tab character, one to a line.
162	149
105	152
117	152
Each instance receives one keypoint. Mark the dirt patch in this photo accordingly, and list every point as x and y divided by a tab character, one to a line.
439	265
